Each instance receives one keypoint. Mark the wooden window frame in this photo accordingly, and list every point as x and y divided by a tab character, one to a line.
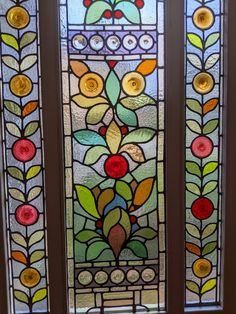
175	128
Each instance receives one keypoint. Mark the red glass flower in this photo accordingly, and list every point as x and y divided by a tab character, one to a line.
24	150
202	147
27	215
116	166
202	208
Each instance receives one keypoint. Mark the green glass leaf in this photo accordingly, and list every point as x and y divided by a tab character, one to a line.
39	295
34	193
95	11
113	88
208	286
96	114
209	187
36	237
210	167
208	230
195	40
86	102
31	128
10	41
126	116
13	129
87	235
17	195
37	256
137	102
11	62
212	39
209	248
94	153
194	126
86	200
195	60
28	62
27	39
88	137
210	126
15	173
125	223
212	60
194	105
138	248
96	249
33	172
193	231
124	190
13	107
146	233
192	286
130	11
21	296
193	188
19	239
193	168
141	135
111	219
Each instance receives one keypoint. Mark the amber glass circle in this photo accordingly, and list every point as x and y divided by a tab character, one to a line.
133	84
91	85
203	83
202	268
203	18
21	85
30	277
18	17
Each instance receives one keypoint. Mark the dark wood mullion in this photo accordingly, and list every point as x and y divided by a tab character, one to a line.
175	148
53	149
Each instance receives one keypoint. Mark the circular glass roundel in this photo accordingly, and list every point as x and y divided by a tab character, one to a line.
133	84
96	42
202	146
18	17
133	275
113	42
148	275
101	277
85	278
79	42
130	42
203	83
146	42
30	277
202	267
203	18
21	85
91	85
117	276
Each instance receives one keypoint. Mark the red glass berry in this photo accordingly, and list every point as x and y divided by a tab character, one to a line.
202	147
116	166
103	130
87	3
124	130
99	224
202	208
139	4
118	14
26	215
107	14
133	219
24	150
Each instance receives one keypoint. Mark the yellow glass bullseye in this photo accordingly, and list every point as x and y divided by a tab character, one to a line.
203	18
91	85
133	84
202	268
203	83
30	277
21	85
18	17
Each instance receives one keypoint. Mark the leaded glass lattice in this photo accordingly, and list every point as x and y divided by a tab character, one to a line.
113	94
204	104
23	156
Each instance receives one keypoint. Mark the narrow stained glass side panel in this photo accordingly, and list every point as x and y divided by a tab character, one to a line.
204	103
23	157
113	93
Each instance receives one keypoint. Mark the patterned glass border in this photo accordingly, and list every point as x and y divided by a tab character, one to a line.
204	105
23	157
113	94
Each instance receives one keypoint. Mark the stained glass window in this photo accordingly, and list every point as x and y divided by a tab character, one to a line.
23	156
204	103
113	94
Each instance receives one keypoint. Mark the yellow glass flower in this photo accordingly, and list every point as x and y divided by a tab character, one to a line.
202	268
91	85
203	83
133	84
203	18
21	85
18	17
30	277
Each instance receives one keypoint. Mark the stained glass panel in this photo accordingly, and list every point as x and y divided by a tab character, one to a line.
113	93
23	156
204	103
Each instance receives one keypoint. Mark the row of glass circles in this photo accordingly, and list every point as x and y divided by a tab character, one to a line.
117	276
113	42
203	18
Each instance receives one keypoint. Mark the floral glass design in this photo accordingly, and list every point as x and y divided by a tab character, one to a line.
113	95
204	107
23	157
